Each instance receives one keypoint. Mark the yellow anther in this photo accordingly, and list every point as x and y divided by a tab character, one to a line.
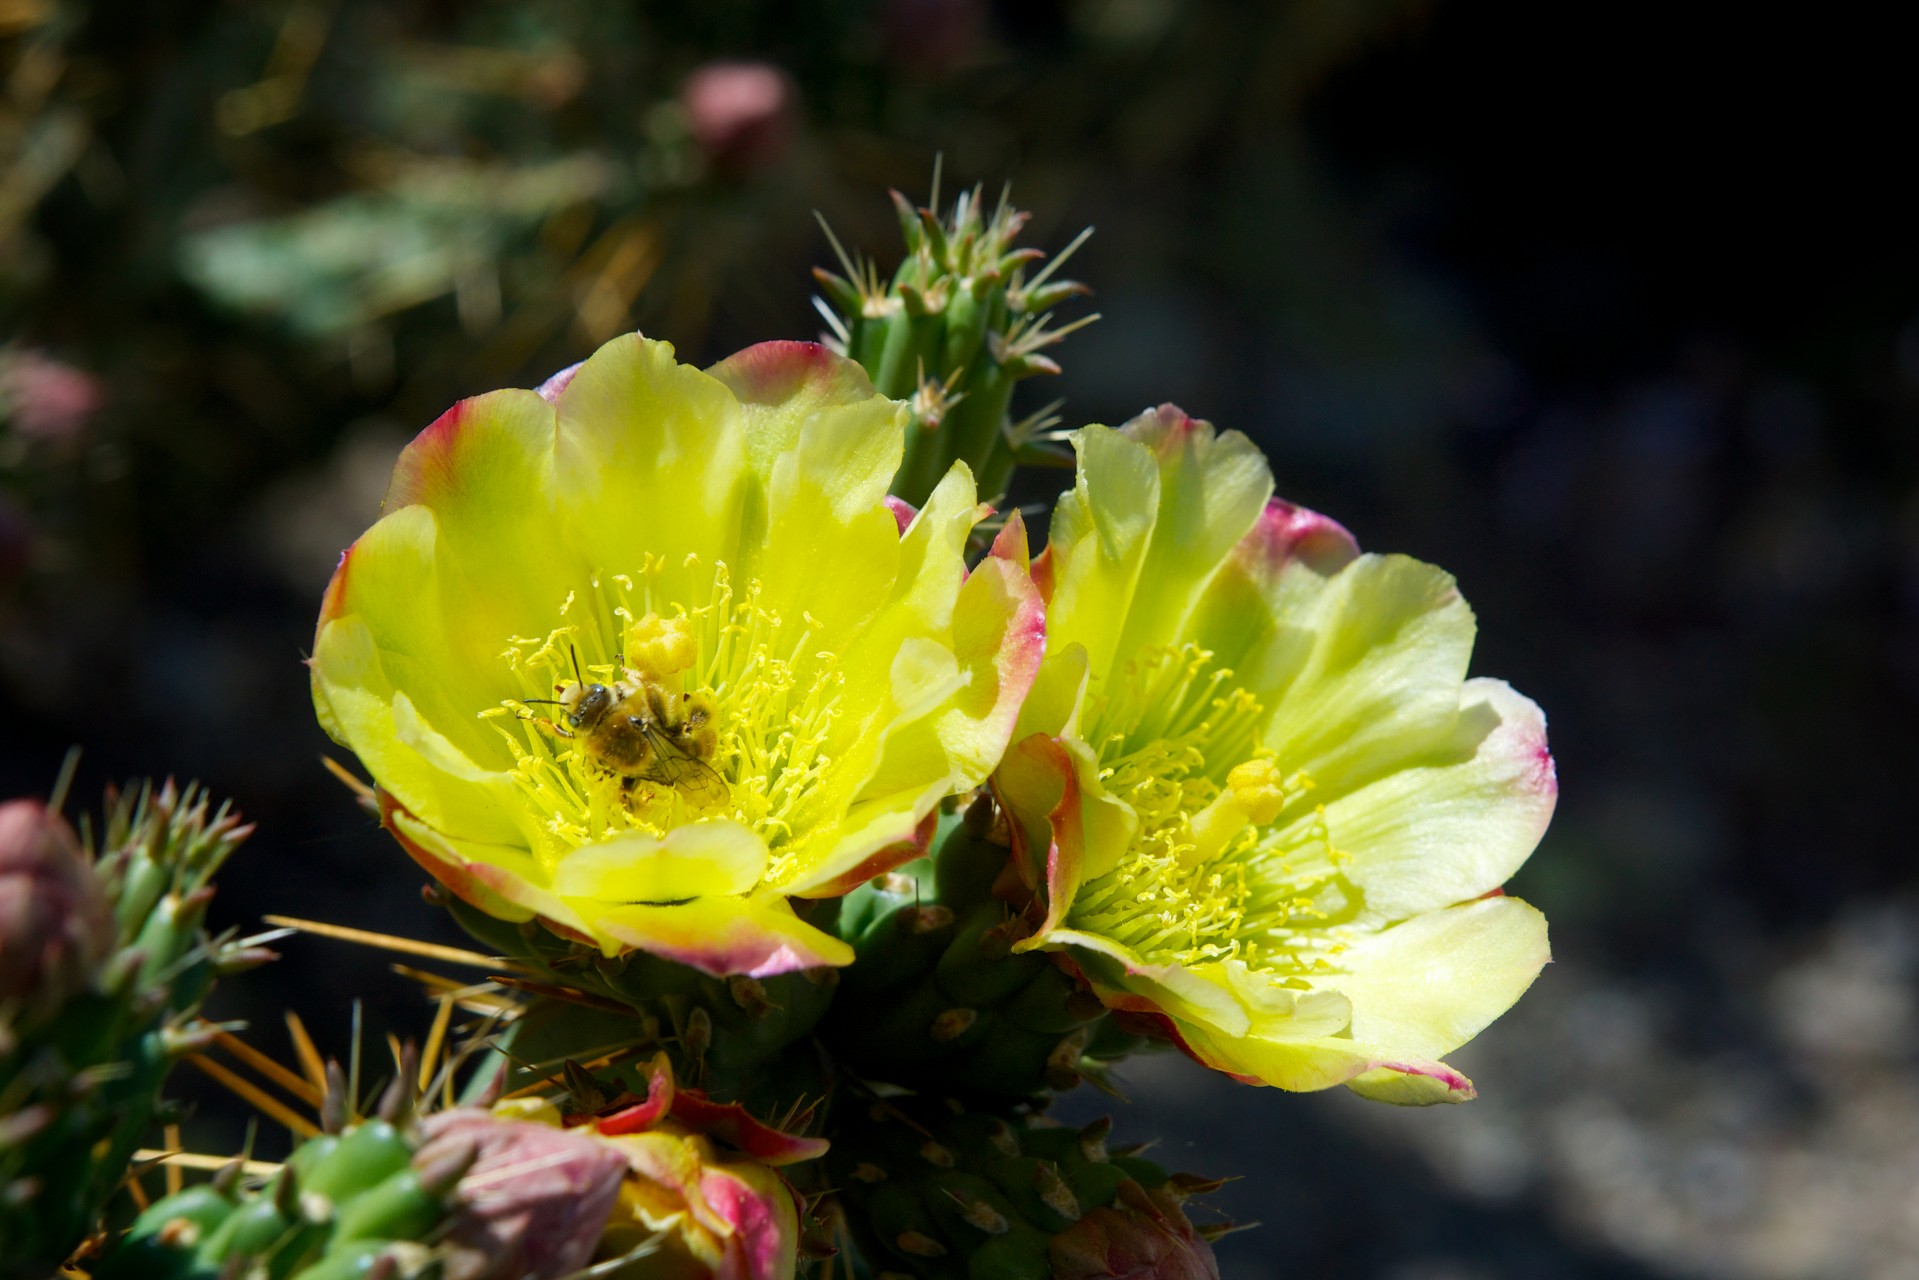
1257	787
661	646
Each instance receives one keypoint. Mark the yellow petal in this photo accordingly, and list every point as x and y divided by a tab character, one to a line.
716	857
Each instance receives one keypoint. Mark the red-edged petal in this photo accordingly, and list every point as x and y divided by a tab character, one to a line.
1285	534
893	855
660	1094
732	1124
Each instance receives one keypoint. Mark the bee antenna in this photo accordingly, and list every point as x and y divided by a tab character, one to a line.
551	702
578	678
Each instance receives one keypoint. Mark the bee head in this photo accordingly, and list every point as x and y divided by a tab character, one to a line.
585	704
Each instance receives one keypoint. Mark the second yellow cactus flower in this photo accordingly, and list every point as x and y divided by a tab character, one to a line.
646	653
1255	796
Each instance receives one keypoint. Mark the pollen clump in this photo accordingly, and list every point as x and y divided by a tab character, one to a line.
1257	787
662	646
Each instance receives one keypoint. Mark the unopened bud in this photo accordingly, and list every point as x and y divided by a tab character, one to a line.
56	926
1142	1235
533	1199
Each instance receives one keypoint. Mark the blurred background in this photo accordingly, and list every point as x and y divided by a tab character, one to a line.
1612	312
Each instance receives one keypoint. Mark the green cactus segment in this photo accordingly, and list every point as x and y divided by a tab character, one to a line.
935	1190
80	1079
937	998
339	1206
959	324
739	1039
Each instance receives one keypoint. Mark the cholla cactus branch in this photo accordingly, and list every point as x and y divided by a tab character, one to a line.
117	962
957	326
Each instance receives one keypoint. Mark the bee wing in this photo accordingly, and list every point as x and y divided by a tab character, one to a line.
691	776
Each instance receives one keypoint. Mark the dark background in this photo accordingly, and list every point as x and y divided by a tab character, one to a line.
1613	312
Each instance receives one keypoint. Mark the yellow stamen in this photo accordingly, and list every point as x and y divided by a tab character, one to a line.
1224	865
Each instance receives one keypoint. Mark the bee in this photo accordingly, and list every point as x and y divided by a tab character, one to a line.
641	732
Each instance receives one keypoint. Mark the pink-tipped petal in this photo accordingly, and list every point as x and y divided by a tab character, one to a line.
757	935
731	1123
1011	545
1285	534
903	511
550	389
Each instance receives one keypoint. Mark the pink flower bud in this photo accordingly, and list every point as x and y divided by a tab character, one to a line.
534	1204
741	115
46	400
1143	1235
55	924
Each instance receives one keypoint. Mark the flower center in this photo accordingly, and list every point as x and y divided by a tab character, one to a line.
637	713
1232	860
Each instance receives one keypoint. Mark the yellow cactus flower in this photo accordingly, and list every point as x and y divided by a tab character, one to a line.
1254	794
649	652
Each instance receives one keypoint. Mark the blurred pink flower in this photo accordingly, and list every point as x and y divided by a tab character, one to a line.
47	400
741	114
